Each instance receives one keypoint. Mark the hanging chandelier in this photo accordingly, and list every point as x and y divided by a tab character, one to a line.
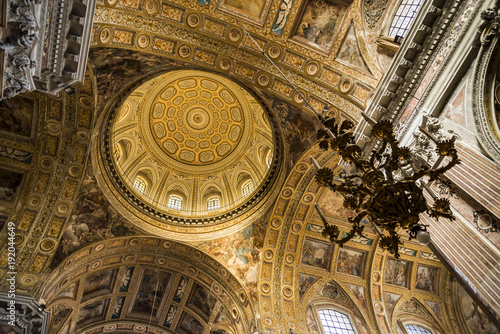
387	188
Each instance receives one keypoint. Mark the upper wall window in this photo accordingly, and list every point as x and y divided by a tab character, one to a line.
213	203
247	188
335	322
175	202
140	185
414	329
402	20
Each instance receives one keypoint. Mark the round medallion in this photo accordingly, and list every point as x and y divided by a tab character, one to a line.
151	7
223	272
378	307
46	163
191	271
296	227
28	279
312	68
287	192
308	198
184	51
99	247
268	254
167	244
143	41
34	201
109	328
274	51
105	35
75	171
345	85
276	223
95	265
161	261
139	328
198	118
225	64
292	325
376	277
62	208
263	79
197	255
302	167
243	296
193	20
53	127
82	135
265	287
85	101
298	98
216	288
129	259
289	258
234	35
47	245
268	321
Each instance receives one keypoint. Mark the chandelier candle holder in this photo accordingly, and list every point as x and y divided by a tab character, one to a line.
387	188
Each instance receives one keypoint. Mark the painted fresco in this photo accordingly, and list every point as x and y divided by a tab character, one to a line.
202	300
299	127
92	219
92	312
427	279
100	283
396	272
476	319
117	309
305	282
153	287
332	205
16	115
116	68
10	184
190	324
349	51
223	317
70	292
240	253
319	24
253	8
317	253
59	315
127	277
181	288
390	301
359	293
436	308
172	311
351	262
311	324
282	16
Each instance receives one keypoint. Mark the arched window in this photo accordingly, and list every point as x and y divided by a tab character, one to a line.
247	188
213	203
414	329
140	185
334	322
402	20
269	158
175	202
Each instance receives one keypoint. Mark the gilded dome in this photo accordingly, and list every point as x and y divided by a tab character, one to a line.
193	147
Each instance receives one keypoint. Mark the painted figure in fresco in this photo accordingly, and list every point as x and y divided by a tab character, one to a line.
311	323
319	25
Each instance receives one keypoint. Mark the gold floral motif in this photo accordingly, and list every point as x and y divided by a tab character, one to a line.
213	27
244	71
282	88
294	60
129	3
163	45
38	264
205	57
172	13
123	37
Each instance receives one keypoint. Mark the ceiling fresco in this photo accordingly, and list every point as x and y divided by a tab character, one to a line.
104	260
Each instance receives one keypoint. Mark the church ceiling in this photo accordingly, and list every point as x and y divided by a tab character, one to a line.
328	62
96	267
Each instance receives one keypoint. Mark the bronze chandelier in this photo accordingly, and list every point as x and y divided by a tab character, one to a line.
386	188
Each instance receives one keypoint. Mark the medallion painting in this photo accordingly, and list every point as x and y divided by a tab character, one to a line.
92	312
153	287
190	325
396	272
203	301
317	254
254	11
349	51
305	282
427	279
10	184
98	283
351	262
16	115
319	24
